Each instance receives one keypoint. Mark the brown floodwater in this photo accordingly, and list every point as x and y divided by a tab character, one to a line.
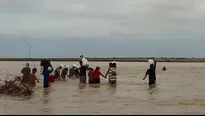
179	90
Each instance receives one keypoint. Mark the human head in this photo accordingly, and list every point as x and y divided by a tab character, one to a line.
110	64
91	69
97	68
67	66
61	66
74	65
34	70
114	64
27	65
81	56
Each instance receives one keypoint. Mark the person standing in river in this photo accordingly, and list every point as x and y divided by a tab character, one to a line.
82	73
83	67
152	73
26	73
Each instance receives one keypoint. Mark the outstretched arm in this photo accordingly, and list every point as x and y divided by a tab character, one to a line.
107	72
37	79
146	74
103	75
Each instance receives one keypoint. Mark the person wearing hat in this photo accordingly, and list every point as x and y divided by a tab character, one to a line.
26	73
58	71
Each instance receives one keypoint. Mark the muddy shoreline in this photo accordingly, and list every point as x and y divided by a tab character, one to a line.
139	59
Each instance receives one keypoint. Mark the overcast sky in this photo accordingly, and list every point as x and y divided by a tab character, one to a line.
98	28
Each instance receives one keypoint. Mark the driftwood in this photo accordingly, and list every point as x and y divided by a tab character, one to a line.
14	87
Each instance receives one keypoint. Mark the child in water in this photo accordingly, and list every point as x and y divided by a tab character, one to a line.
33	78
97	75
112	73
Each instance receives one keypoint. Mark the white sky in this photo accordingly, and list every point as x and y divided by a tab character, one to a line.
103	18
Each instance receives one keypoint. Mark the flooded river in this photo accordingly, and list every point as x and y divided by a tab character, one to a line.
179	90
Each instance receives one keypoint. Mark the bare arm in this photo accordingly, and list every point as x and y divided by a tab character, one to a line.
107	72
37	79
146	74
102	75
22	70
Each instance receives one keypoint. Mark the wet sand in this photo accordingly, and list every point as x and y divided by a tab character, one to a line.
179	90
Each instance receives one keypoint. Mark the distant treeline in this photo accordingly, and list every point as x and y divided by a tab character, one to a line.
124	59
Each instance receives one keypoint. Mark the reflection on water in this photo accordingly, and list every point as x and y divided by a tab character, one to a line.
152	90
45	101
177	92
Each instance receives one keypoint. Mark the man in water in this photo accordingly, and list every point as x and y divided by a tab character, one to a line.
26	73
152	73
82	73
58	71
72	71
64	72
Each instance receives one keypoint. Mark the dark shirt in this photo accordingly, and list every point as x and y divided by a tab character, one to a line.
151	72
64	72
82	71
90	75
72	71
26	73
57	71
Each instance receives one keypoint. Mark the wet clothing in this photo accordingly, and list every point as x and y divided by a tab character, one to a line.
64	73
96	75
91	77
57	72
72	72
82	70
112	75
152	74
96	81
26	74
82	74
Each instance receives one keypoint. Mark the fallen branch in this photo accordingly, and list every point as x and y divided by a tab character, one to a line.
14	87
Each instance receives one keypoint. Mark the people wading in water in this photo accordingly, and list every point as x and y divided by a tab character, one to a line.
83	67
97	75
64	72
164	68
112	74
26	73
57	72
91	76
151	72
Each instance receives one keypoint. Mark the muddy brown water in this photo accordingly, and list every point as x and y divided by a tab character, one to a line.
179	90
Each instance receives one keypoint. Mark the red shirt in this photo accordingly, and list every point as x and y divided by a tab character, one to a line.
97	74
